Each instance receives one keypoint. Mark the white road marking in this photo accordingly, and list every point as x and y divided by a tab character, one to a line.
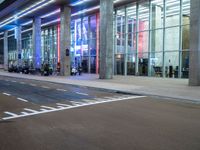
12	114
66	105
62	90
33	112
44	109
60	107
6	94
24	113
47	107
76	103
82	93
22	82
45	87
88	101
13	81
21	99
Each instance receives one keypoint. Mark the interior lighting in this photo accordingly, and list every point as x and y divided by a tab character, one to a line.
53	21
11	35
51	13
85	10
30	29
24	12
27	23
80	2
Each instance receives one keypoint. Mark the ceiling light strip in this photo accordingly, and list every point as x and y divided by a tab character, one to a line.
21	14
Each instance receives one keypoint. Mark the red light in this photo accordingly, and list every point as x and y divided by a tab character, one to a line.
58	42
97	43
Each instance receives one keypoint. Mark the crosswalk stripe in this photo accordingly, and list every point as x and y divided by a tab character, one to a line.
74	102
47	107
63	104
31	110
21	99
6	94
24	113
60	106
11	114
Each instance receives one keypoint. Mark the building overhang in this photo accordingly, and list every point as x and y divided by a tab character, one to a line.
21	12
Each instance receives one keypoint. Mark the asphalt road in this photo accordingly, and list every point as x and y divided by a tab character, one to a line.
37	115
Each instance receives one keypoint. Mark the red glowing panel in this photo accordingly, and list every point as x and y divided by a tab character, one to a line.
97	43
58	42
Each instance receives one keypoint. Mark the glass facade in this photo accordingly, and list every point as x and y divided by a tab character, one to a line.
49	46
84	43
1	51
12	50
27	50
152	38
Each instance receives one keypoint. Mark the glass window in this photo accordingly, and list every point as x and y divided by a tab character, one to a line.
120	35
186	37
92	38
143	16
119	64
185	64
172	38
93	47
157	40
78	39
131	43
120	21
186	12
143	64
143	39
171	64
161	37
131	61
1	51
120	43
156	63
131	17
93	27
157	14
172	12
85	31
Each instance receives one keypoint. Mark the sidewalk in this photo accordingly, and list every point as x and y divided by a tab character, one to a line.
171	88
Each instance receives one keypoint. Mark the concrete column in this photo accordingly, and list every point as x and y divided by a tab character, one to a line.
37	43
19	45
5	50
65	40
194	69
106	39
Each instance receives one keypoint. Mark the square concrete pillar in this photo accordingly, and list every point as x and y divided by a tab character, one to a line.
106	39
194	69
37	53
5	55
65	40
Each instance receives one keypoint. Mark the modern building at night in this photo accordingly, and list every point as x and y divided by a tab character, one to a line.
158	38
